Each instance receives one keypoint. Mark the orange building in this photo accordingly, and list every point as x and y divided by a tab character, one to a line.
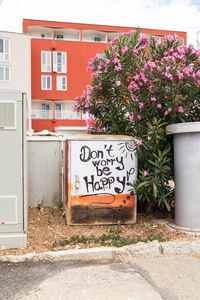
60	52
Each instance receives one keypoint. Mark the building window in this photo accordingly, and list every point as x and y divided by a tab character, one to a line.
8	114
4	49
4	73
181	40
45	61
60	62
59	36
46	82
58	111
98	39
45	111
61	83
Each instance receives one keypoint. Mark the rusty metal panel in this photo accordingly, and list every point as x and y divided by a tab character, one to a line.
99	169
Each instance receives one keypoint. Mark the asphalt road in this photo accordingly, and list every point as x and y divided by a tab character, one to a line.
167	277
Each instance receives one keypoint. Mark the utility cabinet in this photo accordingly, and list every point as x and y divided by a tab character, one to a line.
187	173
13	200
99	169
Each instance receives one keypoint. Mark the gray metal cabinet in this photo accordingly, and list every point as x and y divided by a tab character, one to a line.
13	208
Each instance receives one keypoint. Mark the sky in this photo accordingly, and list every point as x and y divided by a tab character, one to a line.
180	15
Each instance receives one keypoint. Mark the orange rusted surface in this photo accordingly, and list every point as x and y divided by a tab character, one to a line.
106	200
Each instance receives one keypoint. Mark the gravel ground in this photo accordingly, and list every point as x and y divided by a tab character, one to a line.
47	226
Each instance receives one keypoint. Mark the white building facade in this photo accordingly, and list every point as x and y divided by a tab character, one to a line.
15	66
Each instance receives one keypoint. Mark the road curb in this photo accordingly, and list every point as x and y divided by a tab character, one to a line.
151	249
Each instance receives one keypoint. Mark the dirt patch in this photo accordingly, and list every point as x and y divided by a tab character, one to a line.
47	227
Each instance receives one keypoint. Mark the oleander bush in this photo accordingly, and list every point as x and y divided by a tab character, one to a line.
138	88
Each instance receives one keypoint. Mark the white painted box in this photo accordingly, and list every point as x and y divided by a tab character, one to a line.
98	170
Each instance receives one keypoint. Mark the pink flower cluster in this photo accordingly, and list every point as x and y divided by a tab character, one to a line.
152	82
168	111
117	63
124	49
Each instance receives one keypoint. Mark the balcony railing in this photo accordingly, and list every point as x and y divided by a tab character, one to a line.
59	115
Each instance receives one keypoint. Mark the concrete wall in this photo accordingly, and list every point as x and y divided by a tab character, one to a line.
45	171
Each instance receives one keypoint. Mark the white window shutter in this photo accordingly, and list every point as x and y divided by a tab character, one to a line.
7	74
64	62
54	61
43	82
48	84
43	61
64	83
59	83
7	49
48	61
1	73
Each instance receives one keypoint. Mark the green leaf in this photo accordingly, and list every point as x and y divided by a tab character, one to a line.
155	164
142	184
155	190
167	205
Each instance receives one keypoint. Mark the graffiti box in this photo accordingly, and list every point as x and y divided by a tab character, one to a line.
99	169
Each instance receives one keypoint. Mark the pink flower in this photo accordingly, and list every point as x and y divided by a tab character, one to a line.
187	70
148	138
116	60
100	67
87	104
180	76
150	87
98	128
134	86
114	41
153	99
139	117
145	40
159	105
131	117
138	142
88	130
74	108
145	173
90	120
169	110
143	77
136	77
141	105
124	50
168	75
180	109
133	146
198	73
138	234
118	68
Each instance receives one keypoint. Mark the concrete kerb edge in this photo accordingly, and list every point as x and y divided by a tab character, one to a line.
152	249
